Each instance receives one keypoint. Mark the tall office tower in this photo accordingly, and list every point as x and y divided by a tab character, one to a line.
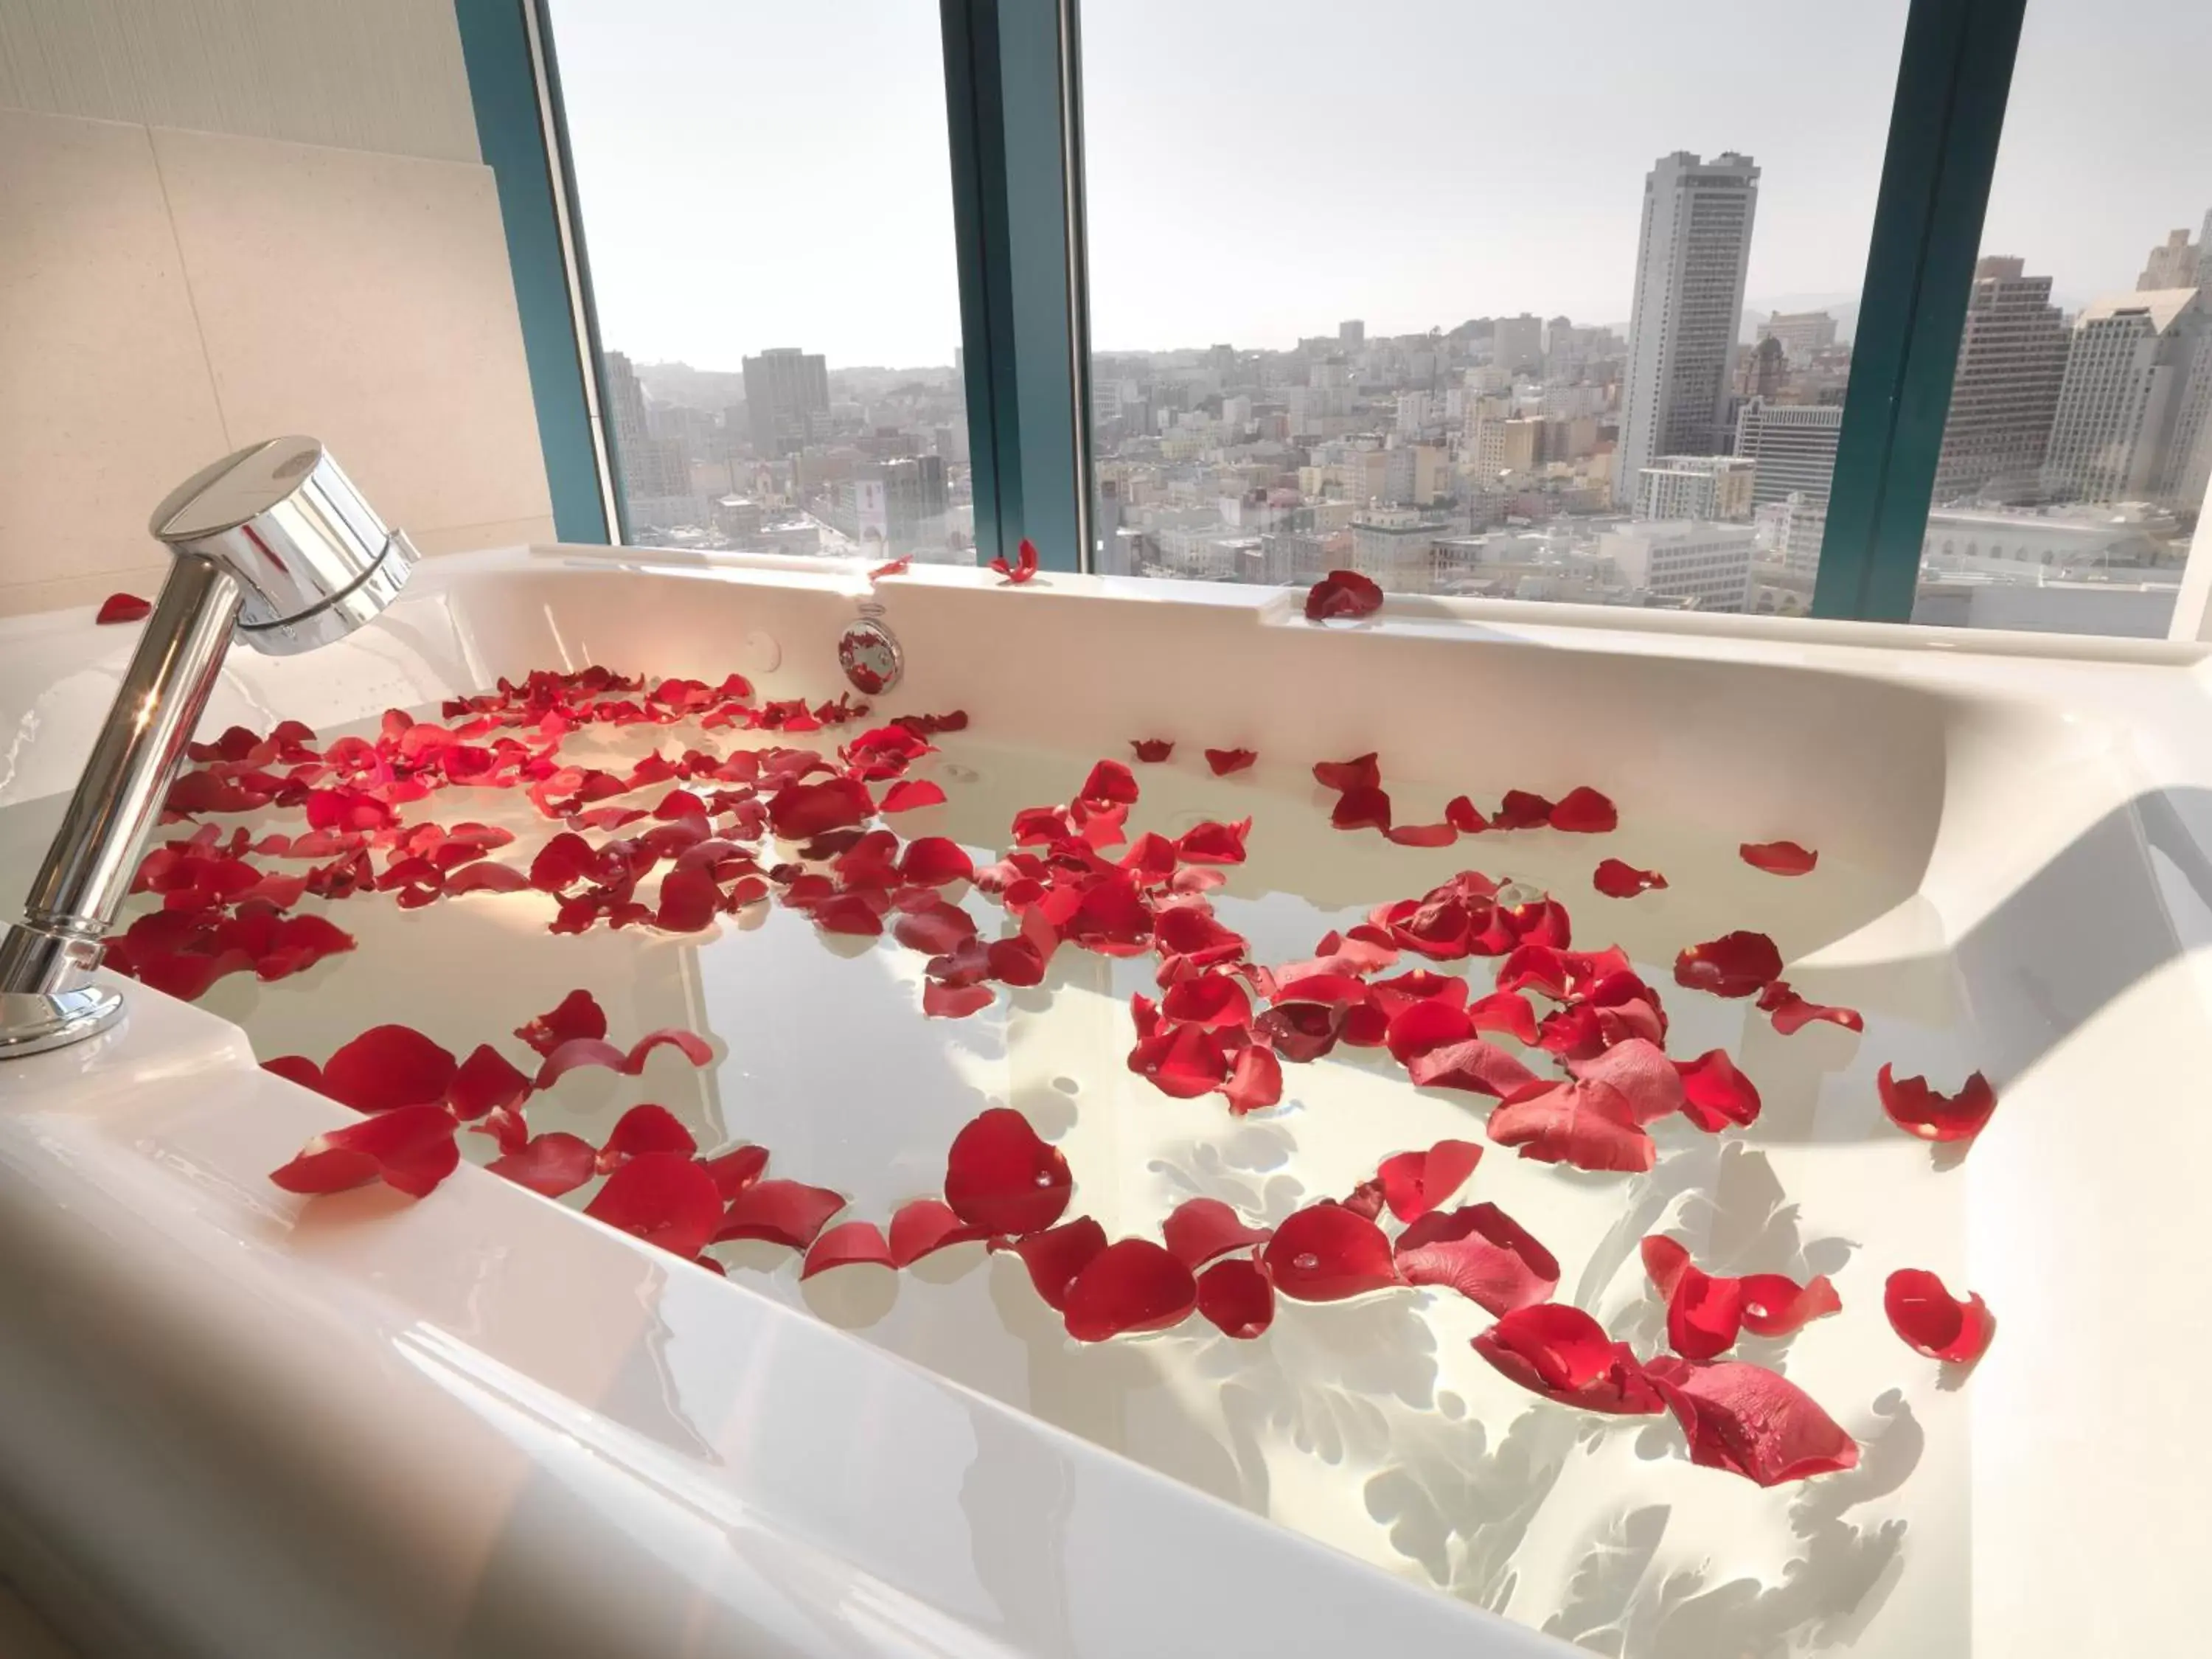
1763	371
2133	421
1691	257
2173	264
626	402
2204	252
1352	334
1802	332
648	468
1795	445
1517	344
785	389
2012	357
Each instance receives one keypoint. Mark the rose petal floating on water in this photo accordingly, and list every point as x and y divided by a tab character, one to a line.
1584	811
1588	1125
736	1169
1460	813
1362	809
1920	1110
1301	1032
485	877
1325	1253
999	1175
1775	1304
954	1001
1562	1354
1738	964
1132	1285
777	1212
1361	772
936	931
1617	880
1109	781
1226	761
1522	809
1414	1183
1475	1065
644	1128
1480	1252
1791	1013
1342	595
1714	1094
1751	1421
408	1147
389	1066
578	1015
689	901
798	811
1184	1061
1255	1080
922	1226
1211	997
1935	1322
1778	857
935	861
122	608
1422	835
1054	1257
1152	749
1200	1229
487	1079
847	1244
1214	843
1504	1011
1640	1069
553	1163
1238	1297
296	1068
663	1198
907	794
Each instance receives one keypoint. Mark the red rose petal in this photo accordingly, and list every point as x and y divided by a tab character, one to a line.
408	1147
693	1047
1025	565
1480	1252
1504	1011
1584	811
1184	1061
798	811
1617	880
1920	1110
1776	1306
847	1244
1477	1066
1255	1080
1522	809
1214	843
1132	1285
1562	1354
1000	1177
579	1015
296	1068
1752	1422
1362	809
1301	1032
1200	1229
485	877
1422	835
1226	761
1326	1253
1640	1069
1791	1013
1737	964
388	1066
1342	593
1414	1183
954	1001
1588	1125
1361	773
1109	781
1152	749
1211	997
644	1128
664	1199
551	1164
1238	1297
1935	1322
1665	1260
122	608
1054	1257
1714	1094
1704	1313
1778	857
923	1226
689	901
935	932
904	796
487	1079
779	1212
934	861
1460	813
736	1169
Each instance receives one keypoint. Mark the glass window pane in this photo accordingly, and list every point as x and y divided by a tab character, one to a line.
767	200
1602	280
2075	458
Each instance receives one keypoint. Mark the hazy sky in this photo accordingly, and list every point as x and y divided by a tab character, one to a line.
759	173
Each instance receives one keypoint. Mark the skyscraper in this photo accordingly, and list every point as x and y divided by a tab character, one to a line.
1517	343
1802	332
1795	447
2173	264
1691	258
785	388
2012	357
2133	421
1352	334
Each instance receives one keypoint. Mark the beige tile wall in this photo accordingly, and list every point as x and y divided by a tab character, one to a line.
168	295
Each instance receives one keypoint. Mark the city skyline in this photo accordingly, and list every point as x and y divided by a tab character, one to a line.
844	243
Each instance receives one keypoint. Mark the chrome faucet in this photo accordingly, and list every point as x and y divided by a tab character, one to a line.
273	544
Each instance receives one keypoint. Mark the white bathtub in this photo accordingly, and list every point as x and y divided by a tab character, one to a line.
232	1424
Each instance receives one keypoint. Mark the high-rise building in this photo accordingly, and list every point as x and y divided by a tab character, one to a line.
2172	264
1762	370
2133	421
1692	254
1709	564
1695	487
1352	334
1517	344
1800	333
1795	445
786	393
2204	252
2012	357
655	472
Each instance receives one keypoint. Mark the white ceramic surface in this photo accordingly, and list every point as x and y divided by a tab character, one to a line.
480	1425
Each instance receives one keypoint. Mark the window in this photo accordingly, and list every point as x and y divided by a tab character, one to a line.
1574	296
766	195
2081	418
